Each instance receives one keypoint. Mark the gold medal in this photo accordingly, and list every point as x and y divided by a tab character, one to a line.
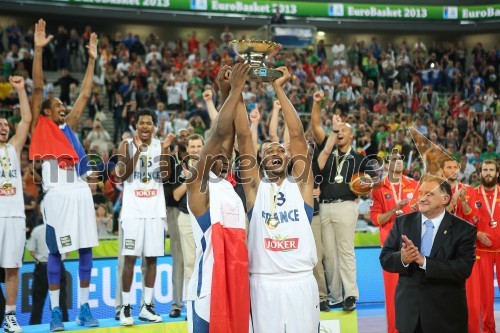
493	224
145	180
339	179
6	185
272	222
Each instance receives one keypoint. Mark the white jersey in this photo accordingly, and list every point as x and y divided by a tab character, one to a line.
57	177
289	247
11	197
143	195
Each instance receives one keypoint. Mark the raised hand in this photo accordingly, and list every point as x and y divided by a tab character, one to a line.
41	40
17	82
138	143
276	104
318	96
223	80
238	77
169	140
92	47
279	82
255	115
337	122
207	95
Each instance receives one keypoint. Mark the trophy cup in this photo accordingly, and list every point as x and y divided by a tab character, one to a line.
255	52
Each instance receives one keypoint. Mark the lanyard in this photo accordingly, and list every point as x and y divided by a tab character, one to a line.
491	210
274	198
398	197
342	160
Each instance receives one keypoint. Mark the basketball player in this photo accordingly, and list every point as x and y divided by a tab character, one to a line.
144	214
389	201
282	252
462	204
218	218
12	217
68	206
488	239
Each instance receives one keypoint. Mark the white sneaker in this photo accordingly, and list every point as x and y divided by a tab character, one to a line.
10	324
126	318
148	314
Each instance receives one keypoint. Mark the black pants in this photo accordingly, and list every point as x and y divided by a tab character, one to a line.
40	290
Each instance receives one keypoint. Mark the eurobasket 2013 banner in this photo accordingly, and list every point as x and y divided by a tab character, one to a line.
339	10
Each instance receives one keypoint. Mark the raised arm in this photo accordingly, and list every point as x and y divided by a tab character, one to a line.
197	180
254	127
212	111
41	40
19	139
74	116
299	151
317	129
330	143
274	121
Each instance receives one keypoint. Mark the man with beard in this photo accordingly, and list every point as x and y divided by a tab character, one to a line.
389	201
488	239
12	215
282	251
218	292
462	204
68	205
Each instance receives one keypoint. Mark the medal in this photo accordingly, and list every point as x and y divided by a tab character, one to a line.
6	185
145	180
338	178
272	222
491	210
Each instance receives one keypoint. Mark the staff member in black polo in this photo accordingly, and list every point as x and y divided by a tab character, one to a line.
339	212
39	251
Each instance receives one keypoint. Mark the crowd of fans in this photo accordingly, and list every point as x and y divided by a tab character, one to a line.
447	91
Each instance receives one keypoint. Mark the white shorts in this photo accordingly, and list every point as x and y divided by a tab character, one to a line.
198	315
284	304
12	241
70	218
143	236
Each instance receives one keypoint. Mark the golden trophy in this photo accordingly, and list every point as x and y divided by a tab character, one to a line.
255	52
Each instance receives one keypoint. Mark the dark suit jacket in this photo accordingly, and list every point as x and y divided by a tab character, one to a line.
436	295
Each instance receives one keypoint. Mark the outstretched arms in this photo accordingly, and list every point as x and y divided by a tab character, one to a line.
74	116
19	139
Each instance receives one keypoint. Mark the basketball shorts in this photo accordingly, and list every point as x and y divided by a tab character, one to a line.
12	241
143	236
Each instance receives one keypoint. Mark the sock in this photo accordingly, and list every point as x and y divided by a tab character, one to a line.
10	309
148	295
54	298
125	298
84	295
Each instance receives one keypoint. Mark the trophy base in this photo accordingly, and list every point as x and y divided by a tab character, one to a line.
264	74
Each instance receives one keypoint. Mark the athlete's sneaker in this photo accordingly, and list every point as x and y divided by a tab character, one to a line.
10	323
85	318
56	323
126	318
148	314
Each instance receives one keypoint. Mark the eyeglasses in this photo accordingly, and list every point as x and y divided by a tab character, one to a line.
395	158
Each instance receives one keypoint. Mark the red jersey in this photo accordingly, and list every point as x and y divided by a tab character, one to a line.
485	218
384	199
458	210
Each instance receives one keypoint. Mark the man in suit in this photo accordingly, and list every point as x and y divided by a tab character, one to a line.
433	252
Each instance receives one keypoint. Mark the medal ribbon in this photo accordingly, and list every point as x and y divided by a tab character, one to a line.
145	156
398	197
274	198
5	166
491	210
342	160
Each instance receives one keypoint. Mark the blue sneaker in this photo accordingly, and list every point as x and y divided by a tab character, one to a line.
56	324
85	318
